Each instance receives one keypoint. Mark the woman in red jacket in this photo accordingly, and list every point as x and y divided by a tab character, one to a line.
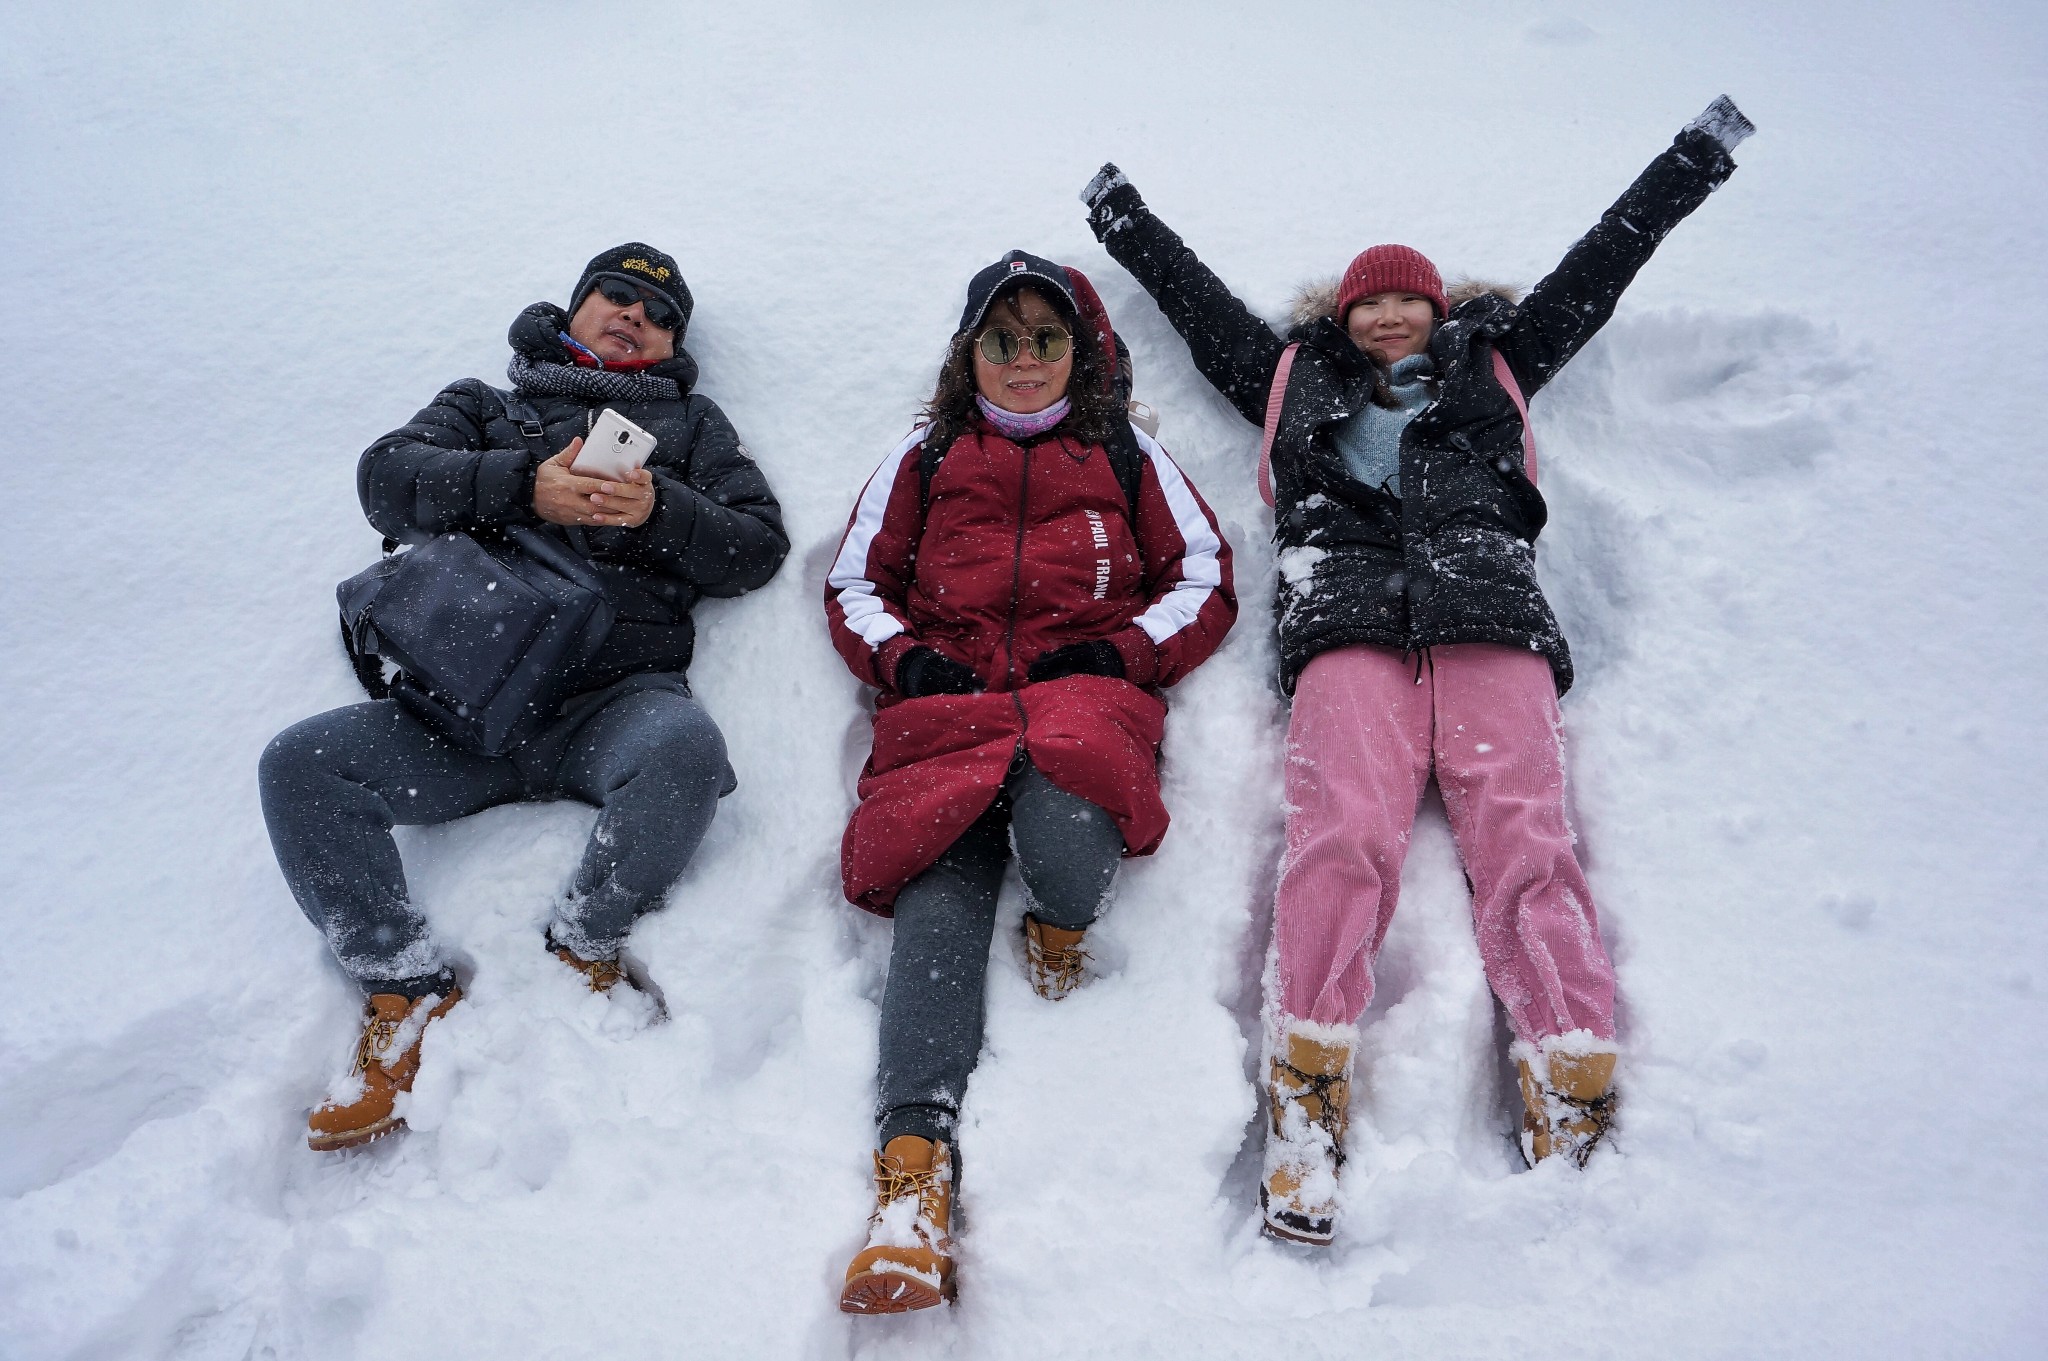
1018	579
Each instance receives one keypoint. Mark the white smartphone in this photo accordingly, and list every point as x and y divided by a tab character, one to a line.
614	447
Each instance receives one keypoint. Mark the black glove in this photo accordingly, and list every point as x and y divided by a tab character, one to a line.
1099	658
1722	121
1110	198
926	671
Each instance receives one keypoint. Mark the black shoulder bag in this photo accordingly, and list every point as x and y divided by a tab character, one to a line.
489	631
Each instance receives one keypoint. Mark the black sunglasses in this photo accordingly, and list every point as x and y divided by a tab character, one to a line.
1001	345
660	310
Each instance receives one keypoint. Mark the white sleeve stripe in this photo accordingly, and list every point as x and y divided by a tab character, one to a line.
865	614
1201	564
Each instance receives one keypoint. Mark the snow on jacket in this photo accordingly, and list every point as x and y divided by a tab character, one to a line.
716	529
1023	547
1452	559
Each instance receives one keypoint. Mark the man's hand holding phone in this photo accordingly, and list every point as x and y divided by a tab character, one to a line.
563	497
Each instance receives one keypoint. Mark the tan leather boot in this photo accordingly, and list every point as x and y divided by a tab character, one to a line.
908	1262
601	974
387	1060
1054	956
1567	1107
1309	1091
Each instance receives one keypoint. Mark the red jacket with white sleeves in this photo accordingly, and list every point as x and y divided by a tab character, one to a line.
1019	548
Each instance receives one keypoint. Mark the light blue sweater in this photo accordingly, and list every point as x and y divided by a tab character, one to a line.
1371	440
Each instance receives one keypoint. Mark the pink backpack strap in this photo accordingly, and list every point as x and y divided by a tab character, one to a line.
1273	401
1506	377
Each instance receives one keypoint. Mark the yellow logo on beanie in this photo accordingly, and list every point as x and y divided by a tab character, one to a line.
658	273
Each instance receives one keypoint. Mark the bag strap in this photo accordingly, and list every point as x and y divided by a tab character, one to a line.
1274	399
1505	376
1127	461
521	413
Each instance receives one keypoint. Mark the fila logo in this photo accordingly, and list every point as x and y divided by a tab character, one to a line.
1018	266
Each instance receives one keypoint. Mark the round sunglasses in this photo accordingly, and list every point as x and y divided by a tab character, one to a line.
1001	345
660	311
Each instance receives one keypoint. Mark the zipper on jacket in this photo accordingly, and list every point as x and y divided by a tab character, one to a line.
1016	594
1017	569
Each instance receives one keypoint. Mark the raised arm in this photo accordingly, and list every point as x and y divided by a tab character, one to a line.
1233	349
1575	300
715	522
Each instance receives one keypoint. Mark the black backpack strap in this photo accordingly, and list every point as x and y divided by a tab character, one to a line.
1127	461
928	456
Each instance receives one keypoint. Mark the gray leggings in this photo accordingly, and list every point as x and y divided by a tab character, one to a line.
1067	850
335	785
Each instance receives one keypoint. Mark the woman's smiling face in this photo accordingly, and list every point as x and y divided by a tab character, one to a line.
1392	325
1026	385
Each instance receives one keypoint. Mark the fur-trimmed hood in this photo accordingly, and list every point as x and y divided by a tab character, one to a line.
1317	298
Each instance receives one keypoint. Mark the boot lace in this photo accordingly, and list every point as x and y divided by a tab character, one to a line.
1056	971
378	1037
604	974
1324	1090
896	1183
1596	1112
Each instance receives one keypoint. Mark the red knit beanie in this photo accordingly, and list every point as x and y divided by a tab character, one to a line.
1390	269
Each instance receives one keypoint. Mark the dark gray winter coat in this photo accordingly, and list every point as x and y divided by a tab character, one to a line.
716	529
1451	560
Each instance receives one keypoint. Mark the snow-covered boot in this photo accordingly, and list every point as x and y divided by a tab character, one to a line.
1310	1096
601	974
1054	956
908	1262
387	1059
1567	1101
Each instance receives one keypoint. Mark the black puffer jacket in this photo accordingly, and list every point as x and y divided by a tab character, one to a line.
716	528
1452	560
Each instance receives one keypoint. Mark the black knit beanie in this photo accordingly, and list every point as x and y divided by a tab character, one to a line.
642	266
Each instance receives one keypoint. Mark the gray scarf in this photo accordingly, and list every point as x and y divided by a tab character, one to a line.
539	378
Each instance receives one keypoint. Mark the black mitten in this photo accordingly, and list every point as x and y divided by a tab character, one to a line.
1110	198
1723	122
1097	658
926	671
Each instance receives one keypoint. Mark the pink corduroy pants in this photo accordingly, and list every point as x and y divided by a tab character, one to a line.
1366	737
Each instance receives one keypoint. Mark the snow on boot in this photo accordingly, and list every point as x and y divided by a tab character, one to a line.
605	974
908	1262
601	974
1310	1096
387	1059
1054	956
1567	1100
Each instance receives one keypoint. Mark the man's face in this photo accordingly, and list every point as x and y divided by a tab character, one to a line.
620	333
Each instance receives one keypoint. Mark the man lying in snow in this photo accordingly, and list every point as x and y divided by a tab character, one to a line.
1415	640
1019	578
696	520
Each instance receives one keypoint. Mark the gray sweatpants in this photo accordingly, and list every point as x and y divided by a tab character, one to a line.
1067	851
335	784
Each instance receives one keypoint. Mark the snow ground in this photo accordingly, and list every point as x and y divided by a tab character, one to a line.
1795	498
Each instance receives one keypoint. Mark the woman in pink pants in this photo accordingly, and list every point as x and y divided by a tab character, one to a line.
1415	640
